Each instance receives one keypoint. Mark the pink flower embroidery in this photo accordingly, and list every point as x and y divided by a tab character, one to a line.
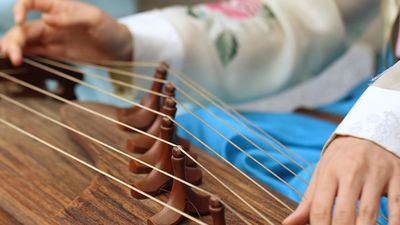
239	9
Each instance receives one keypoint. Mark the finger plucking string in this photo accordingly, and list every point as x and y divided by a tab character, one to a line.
15	54
301	215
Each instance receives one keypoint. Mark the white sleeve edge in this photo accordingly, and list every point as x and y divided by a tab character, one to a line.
155	39
375	117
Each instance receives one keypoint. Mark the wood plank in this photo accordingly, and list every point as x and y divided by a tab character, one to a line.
38	186
36	183
114	136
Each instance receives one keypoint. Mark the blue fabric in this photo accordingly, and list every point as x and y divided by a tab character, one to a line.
287	128
85	93
302	134
343	106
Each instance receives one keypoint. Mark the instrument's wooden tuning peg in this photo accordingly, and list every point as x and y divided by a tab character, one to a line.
161	155
182	197
141	118
217	211
155	182
154	155
142	143
169	90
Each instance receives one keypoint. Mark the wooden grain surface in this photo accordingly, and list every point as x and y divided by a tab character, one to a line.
38	186
36	183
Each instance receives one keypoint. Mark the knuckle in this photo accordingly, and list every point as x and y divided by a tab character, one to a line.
381	166
379	171
343	216
394	219
368	213
355	167
319	213
395	200
394	215
343	213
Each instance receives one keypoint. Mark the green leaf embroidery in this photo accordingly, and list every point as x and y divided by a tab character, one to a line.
227	46
267	12
195	12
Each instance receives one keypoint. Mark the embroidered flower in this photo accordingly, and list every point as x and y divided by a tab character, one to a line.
222	20
239	9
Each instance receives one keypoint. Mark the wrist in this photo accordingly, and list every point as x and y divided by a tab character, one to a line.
115	40
126	42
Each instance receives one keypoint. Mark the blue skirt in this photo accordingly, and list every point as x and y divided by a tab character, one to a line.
303	135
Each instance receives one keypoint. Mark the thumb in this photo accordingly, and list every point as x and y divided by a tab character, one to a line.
301	215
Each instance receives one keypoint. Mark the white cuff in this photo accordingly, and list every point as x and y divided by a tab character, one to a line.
375	117
155	39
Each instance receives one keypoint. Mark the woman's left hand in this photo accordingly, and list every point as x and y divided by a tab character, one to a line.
348	184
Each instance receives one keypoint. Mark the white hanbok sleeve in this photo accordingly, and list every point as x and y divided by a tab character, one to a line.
242	49
376	115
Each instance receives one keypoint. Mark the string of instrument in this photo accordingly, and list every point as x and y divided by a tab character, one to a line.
138	148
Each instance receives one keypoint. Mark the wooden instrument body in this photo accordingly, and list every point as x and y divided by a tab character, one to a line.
40	186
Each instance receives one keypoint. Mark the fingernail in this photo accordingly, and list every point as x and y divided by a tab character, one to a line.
15	58
19	18
291	216
287	219
47	18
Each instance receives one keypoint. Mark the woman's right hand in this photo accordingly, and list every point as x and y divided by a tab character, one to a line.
68	29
